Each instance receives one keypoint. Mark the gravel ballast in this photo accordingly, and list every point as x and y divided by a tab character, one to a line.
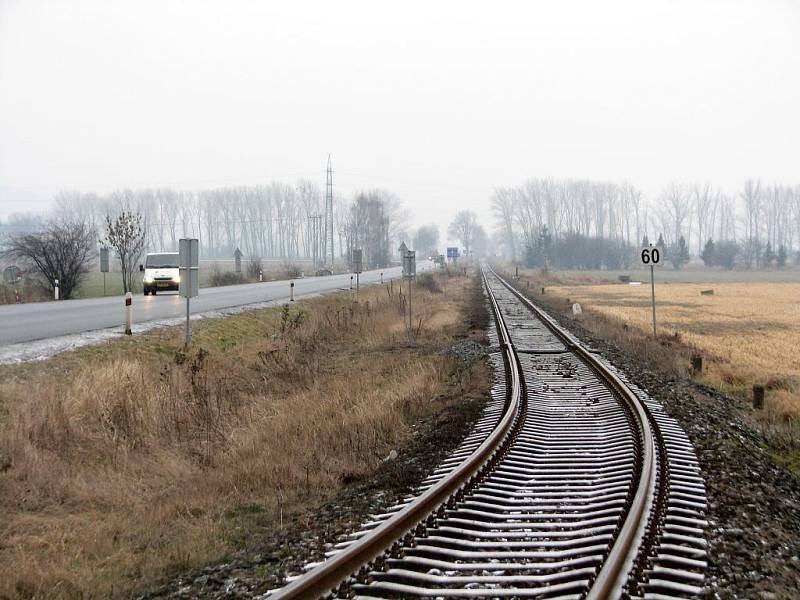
754	503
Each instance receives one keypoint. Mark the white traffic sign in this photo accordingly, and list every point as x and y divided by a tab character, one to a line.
189	270
188	267
650	256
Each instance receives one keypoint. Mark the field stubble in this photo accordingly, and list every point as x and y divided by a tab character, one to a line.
134	460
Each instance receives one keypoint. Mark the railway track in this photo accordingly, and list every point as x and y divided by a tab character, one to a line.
573	484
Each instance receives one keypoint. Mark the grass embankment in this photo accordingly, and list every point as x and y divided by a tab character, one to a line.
124	463
746	332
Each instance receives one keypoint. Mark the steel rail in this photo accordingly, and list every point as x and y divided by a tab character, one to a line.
323	579
613	575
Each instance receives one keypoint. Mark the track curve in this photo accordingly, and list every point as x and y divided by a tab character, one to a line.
572	485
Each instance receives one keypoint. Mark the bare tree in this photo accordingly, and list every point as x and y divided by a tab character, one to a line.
675	201
426	239
753	207
62	251
126	235
463	228
704	208
502	202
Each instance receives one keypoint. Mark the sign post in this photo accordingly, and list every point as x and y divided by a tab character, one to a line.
104	265
237	261
651	256
358	267
189	271
410	272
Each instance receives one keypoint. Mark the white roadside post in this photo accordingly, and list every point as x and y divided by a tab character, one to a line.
128	313
55	289
651	256
291	291
189	271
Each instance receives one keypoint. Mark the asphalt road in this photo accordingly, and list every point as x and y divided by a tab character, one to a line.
42	320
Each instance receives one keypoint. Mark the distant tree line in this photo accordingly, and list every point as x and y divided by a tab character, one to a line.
274	221
588	224
264	221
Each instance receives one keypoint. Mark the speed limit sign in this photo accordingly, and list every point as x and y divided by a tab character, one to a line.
651	256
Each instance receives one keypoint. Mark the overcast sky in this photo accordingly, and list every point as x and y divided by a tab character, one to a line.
437	102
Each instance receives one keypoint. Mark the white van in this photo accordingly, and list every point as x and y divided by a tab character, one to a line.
160	272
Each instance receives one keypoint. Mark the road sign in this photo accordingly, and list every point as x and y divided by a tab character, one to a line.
452	253
188	267
237	257
104	259
357	261
410	264
11	275
650	256
189	270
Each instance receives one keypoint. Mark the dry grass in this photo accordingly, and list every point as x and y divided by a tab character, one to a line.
125	463
747	331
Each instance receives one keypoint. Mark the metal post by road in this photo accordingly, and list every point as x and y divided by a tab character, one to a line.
410	320
128	313
291	291
351	282
104	284
188	326
55	290
381	277
653	292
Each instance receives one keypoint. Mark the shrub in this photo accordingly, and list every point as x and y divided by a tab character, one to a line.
219	278
293	271
428	282
254	268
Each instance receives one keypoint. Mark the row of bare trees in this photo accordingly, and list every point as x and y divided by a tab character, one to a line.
759	217
265	221
274	221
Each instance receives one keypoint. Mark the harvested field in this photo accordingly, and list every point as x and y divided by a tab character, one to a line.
747	331
128	462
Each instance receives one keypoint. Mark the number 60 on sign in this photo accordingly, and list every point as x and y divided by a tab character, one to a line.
651	256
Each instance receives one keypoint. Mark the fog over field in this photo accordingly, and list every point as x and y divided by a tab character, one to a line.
438	103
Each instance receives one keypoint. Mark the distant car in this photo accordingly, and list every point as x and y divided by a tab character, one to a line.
160	272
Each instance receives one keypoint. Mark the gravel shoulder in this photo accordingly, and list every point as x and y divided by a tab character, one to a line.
754	503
